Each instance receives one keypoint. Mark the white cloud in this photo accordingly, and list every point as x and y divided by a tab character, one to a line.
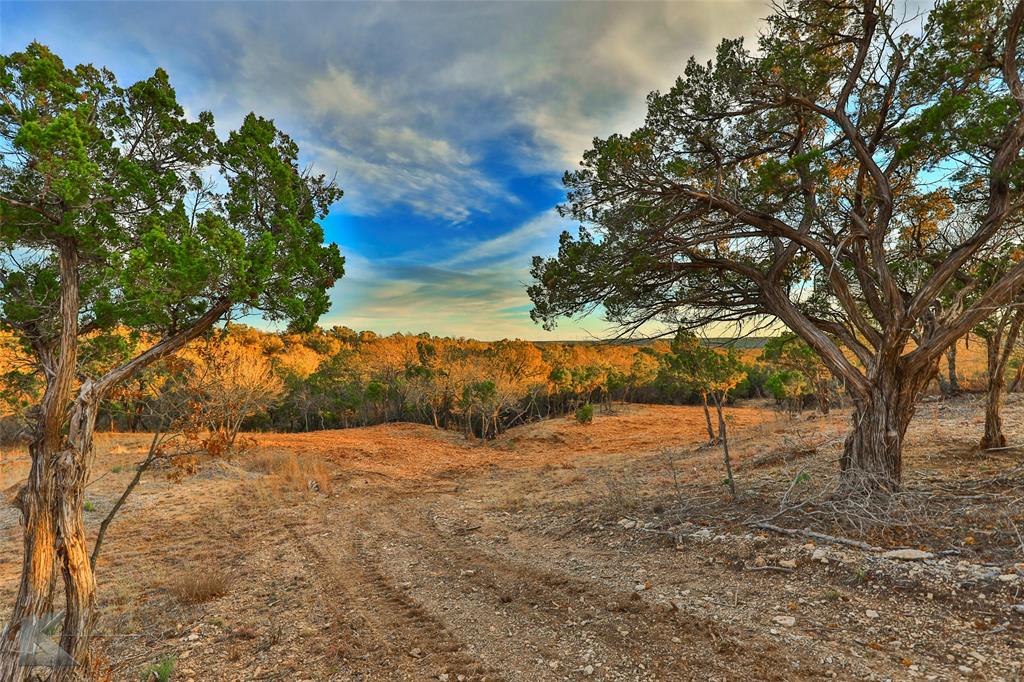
336	92
519	243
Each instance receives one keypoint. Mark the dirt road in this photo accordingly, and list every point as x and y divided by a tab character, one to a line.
528	559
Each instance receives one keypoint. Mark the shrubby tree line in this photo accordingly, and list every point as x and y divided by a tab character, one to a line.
241	378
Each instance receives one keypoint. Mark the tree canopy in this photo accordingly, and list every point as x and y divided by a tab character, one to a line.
165	220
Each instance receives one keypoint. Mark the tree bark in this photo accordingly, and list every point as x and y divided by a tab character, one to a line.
952	383
873	452
34	599
723	438
712	439
993	436
999	346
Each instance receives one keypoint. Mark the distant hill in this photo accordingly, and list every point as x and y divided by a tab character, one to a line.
742	342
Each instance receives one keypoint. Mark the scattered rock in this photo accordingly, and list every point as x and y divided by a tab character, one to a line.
787	563
820	555
588	670
785	621
416	652
627	523
871	613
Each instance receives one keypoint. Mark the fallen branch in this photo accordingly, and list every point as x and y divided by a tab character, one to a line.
793	532
778	569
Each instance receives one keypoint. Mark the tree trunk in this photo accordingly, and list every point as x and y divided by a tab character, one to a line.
71	473
999	346
994	436
707	419
873	452
35	591
952	383
723	438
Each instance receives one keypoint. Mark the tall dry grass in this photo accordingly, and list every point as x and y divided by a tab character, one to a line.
294	472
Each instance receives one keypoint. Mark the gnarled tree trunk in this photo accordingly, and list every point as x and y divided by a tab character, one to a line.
35	591
873	452
999	345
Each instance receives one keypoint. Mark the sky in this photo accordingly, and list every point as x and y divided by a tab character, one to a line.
448	125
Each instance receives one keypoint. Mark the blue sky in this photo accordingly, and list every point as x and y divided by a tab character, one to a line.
449	125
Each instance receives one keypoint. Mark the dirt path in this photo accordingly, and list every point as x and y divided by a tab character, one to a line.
434	559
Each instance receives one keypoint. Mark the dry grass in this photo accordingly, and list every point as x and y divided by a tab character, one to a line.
198	584
294	472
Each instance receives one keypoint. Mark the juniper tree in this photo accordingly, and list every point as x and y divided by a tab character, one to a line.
709	373
809	182
117	210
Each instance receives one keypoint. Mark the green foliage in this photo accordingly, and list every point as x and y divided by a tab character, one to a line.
585	414
165	219
701	369
786	384
162	670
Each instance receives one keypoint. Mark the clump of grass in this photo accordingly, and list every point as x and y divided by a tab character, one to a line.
200	584
89	506
296	472
160	671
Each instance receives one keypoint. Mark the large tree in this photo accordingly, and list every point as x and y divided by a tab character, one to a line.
822	180
117	210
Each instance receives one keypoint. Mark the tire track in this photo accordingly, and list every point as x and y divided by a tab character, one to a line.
404	638
671	644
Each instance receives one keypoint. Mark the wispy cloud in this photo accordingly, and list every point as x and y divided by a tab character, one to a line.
515	245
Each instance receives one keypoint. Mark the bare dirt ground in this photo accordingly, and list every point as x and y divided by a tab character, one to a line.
561	552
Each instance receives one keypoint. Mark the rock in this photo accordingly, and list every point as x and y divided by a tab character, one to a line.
1008	577
416	652
871	613
820	555
1019	608
676	640
467	572
785	621
760	561
588	670
443	677
907	555
787	563
627	523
